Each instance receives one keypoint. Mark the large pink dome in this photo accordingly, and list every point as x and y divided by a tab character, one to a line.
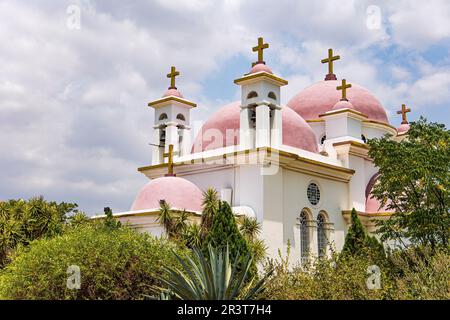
372	204
322	96
179	193
224	123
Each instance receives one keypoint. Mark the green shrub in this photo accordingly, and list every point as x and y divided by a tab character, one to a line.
23	221
114	263
416	273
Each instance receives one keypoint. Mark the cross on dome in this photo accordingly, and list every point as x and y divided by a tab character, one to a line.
260	48
344	86
170	155
403	112
173	73
329	60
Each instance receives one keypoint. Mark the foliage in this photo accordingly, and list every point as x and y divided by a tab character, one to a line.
115	263
165	217
23	221
409	274
224	232
358	242
110	222
192	236
250	228
414	182
210	207
212	276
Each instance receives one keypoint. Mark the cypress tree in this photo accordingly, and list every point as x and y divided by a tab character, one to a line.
358	242
225	231
355	240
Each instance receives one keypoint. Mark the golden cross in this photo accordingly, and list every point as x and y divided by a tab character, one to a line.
330	60
259	48
344	86
403	112
173	73
170	155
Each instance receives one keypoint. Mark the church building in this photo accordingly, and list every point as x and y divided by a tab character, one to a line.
299	168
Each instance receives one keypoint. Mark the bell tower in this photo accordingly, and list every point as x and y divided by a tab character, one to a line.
261	111
172	122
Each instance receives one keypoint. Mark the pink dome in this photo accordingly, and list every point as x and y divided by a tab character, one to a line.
179	193
222	130
172	92
404	127
322	96
260	67
372	204
342	104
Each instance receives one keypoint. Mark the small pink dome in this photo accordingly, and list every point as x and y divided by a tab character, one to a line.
172	92
372	204
179	193
404	127
322	96
342	104
260	67
222	130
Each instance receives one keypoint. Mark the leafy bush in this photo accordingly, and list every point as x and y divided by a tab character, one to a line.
115	263
23	221
412	274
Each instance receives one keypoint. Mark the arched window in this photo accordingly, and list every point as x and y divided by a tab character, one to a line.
252	94
321	235
272	95
163	116
181	117
304	237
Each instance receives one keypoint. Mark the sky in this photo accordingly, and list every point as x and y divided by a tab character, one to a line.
76	76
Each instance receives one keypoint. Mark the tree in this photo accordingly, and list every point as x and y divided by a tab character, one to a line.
250	228
110	221
358	242
23	221
414	182
210	207
212	276
224	232
166	218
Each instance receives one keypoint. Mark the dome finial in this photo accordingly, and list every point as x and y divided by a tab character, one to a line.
173	73
403	112
344	86
260	48
329	60
170	155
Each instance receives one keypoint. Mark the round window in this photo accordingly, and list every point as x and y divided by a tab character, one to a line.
313	193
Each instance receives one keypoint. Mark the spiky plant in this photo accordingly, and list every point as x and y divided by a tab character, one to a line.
212	276
165	217
193	236
210	207
250	228
180	224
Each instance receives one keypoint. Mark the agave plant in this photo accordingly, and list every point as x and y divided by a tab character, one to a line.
212	277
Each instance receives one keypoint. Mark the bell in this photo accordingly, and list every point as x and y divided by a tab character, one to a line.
162	138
